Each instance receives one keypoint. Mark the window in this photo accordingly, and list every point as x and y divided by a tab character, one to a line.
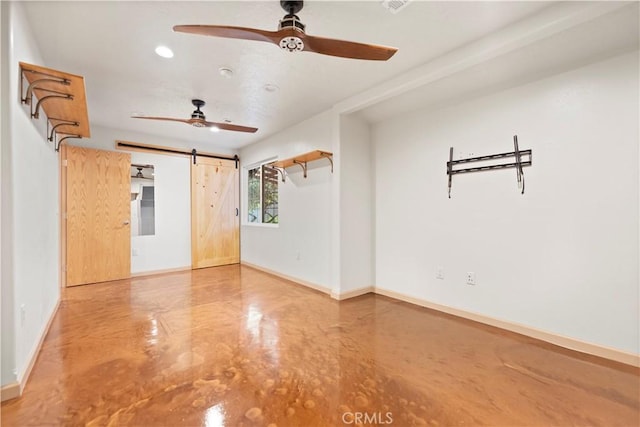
262	191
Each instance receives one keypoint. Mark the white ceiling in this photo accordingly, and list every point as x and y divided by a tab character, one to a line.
112	45
607	35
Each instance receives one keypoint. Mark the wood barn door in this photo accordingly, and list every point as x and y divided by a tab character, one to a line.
215	220
98	208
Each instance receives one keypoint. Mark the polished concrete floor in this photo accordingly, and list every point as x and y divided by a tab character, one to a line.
232	346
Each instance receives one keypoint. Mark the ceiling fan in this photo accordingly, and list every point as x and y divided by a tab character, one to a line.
140	174
292	37
198	120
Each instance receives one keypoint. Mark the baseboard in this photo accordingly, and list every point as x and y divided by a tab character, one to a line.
552	338
315	286
559	340
34	354
353	293
10	391
14	390
156	272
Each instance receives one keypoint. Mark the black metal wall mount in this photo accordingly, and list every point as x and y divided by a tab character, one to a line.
194	153
518	164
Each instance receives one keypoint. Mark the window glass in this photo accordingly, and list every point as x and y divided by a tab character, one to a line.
269	195
262	194
253	204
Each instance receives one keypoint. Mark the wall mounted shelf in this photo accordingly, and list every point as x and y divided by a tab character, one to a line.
518	163
62	98
301	160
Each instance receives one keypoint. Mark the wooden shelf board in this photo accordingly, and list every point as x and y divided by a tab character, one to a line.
58	108
306	157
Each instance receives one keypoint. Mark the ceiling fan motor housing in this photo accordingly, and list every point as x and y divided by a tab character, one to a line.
291	43
197	114
291	21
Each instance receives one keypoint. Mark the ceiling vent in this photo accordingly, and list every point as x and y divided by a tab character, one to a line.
395	6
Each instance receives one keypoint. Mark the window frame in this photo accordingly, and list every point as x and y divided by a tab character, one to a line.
245	215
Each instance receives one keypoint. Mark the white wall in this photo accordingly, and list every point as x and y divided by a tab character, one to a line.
170	247
30	208
305	206
7	324
356	205
563	257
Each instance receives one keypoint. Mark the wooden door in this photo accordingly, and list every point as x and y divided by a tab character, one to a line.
215	220
98	209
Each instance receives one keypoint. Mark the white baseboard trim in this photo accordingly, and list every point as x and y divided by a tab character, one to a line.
353	293
156	272
552	338
14	390
559	340
295	280
10	391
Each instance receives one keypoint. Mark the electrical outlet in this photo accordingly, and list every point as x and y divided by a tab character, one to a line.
440	273
471	278
135	251
297	256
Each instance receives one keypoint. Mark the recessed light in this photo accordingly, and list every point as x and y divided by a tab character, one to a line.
164	52
214	129
269	87
225	72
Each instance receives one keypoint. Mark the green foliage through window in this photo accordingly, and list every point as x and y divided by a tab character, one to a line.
262	203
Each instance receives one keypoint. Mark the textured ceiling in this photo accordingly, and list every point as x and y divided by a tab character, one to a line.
112	45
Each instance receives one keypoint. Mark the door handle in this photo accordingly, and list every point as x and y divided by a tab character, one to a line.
237	212
125	222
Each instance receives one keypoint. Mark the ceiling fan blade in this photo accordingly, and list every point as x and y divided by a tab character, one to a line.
171	119
230	32
346	49
231	127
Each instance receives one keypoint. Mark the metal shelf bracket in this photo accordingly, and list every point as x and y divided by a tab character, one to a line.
54	127
55	93
279	170
329	157
61	140
48	78
303	165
